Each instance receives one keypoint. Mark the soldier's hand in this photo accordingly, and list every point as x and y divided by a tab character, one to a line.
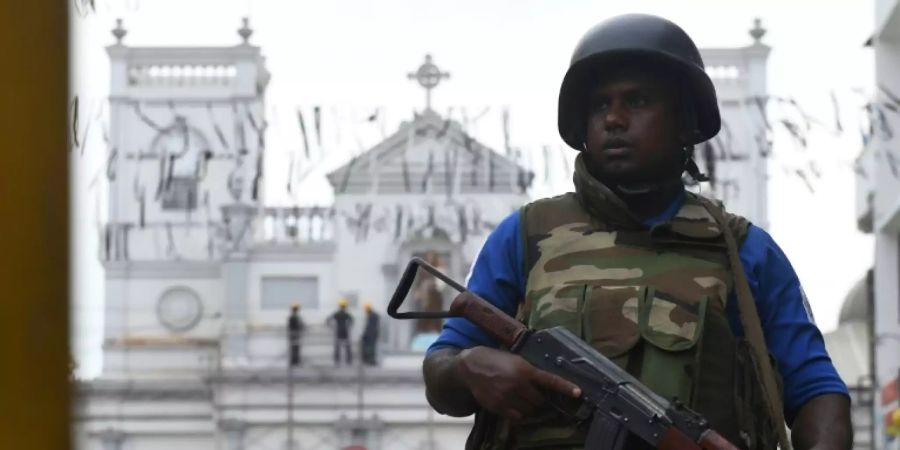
505	384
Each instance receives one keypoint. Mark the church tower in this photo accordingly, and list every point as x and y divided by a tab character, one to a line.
187	135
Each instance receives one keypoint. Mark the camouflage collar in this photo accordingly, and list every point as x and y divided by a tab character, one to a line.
601	203
692	220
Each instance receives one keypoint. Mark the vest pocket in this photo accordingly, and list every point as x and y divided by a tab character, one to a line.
672	328
611	318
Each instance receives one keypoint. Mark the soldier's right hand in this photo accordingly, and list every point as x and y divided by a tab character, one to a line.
505	384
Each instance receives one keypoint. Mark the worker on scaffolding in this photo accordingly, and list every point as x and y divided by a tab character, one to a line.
341	321
370	336
296	327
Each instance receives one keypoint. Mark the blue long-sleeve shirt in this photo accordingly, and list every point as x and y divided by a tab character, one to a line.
790	331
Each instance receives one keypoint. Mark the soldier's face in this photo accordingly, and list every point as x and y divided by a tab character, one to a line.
633	131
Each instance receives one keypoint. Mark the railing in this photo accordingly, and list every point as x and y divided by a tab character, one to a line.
182	74
295	225
724	72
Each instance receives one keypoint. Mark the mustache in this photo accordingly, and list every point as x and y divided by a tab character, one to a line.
615	142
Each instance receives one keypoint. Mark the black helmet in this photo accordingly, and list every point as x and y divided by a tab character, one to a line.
639	36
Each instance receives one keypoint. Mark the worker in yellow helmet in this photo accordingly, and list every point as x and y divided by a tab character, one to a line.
893	425
342	322
370	336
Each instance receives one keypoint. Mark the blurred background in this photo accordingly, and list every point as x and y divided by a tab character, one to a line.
247	176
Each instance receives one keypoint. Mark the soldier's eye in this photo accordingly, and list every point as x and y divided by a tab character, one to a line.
638	100
599	105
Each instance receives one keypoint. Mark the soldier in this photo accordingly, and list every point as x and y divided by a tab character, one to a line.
370	336
296	327
342	322
658	279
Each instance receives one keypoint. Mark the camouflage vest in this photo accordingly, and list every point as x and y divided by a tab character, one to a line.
651	299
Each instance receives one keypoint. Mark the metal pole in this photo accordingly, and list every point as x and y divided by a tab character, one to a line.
290	410
359	391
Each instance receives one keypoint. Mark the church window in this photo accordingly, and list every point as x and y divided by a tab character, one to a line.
279	293
181	194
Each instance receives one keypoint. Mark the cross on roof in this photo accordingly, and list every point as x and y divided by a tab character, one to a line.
429	76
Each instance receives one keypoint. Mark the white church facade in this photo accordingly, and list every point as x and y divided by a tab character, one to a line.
201	272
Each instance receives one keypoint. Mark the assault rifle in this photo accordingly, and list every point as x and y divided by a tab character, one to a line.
614	403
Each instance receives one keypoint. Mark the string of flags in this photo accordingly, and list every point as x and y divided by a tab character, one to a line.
782	114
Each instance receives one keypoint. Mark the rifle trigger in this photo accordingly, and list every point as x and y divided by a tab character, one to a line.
584	411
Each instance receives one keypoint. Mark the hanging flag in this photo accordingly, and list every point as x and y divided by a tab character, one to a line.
84	137
545	153
111	164
763	144
506	146
317	123
170	171
837	113
161	178
445	126
398	225
860	170
889	94
814	169
476	159
144	118
802	175
74	108
257	177
448	175
428	170
347	172
239	131
760	103
216	127
290	182
200	167
405	169
303	132
462	223
142	211
892	161
490	157
170	241
795	131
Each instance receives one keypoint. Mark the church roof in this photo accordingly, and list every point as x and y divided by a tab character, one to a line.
430	154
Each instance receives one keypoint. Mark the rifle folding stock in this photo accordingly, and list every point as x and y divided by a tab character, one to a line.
612	401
